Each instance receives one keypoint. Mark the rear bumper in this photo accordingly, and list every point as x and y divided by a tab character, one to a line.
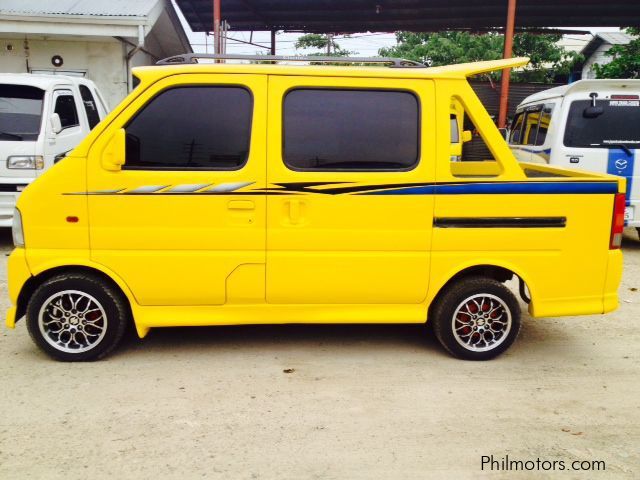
591	305
17	274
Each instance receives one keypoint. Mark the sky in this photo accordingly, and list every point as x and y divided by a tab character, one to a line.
363	44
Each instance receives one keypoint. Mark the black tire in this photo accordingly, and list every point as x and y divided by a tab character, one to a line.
482	337
91	333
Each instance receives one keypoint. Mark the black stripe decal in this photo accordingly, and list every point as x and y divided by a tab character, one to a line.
500	222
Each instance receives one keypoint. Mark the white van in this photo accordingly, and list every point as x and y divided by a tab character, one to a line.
589	124
42	117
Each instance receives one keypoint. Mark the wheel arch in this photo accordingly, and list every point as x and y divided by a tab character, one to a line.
43	274
494	270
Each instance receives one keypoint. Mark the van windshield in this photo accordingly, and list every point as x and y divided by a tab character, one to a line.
20	112
616	125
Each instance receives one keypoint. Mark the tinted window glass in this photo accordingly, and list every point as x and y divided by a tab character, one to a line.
20	112
516	126
618	124
89	106
66	108
192	127
350	130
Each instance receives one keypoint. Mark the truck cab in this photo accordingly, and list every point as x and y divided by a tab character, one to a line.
42	118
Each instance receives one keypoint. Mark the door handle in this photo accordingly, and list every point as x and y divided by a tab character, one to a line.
241	205
294	211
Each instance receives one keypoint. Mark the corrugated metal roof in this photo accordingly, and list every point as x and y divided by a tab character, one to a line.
353	16
97	8
615	38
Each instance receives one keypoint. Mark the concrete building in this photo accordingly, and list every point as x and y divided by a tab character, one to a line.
99	39
596	50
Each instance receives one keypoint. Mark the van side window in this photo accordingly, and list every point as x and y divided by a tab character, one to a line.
90	106
186	128
545	120
516	127
65	107
366	130
530	131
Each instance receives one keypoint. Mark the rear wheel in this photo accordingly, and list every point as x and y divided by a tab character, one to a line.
477	318
76	317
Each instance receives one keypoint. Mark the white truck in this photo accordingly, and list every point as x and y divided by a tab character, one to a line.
589	124
42	117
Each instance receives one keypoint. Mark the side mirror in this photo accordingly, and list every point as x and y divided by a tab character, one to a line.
466	136
592	112
56	124
114	152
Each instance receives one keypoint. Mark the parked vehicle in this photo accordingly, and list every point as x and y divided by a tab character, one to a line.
220	194
42	117
590	124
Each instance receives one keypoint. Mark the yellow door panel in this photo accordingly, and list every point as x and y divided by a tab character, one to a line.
176	235
332	238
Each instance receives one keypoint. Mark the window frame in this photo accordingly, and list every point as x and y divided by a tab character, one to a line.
529	111
66	92
519	115
196	169
547	110
412	167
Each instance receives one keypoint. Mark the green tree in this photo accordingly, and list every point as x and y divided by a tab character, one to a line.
548	60
625	61
326	43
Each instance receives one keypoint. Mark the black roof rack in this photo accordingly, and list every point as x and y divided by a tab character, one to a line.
193	58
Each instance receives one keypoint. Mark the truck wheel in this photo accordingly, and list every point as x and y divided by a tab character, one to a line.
477	318
76	317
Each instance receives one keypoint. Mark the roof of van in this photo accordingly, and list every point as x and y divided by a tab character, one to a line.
583	86
42	81
459	71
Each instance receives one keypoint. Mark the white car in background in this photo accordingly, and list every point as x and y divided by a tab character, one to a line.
42	117
590	124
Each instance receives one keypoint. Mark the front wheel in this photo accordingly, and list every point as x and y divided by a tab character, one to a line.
477	318
76	317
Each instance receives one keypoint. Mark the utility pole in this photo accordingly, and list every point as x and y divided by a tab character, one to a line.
216	27
329	42
506	73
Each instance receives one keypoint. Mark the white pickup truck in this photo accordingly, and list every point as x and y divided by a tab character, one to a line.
42	117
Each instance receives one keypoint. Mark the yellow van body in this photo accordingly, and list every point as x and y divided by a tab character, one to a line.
287	246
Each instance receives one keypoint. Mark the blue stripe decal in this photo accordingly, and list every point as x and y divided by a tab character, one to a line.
621	164
504	188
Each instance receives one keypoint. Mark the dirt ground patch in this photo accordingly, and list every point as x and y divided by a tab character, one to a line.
375	402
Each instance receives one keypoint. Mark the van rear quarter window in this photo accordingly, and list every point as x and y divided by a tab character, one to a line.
190	127
366	130
20	112
618	123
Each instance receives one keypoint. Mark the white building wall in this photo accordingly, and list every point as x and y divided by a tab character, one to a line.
102	61
599	57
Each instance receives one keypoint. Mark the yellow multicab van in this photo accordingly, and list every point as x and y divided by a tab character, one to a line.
230	193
